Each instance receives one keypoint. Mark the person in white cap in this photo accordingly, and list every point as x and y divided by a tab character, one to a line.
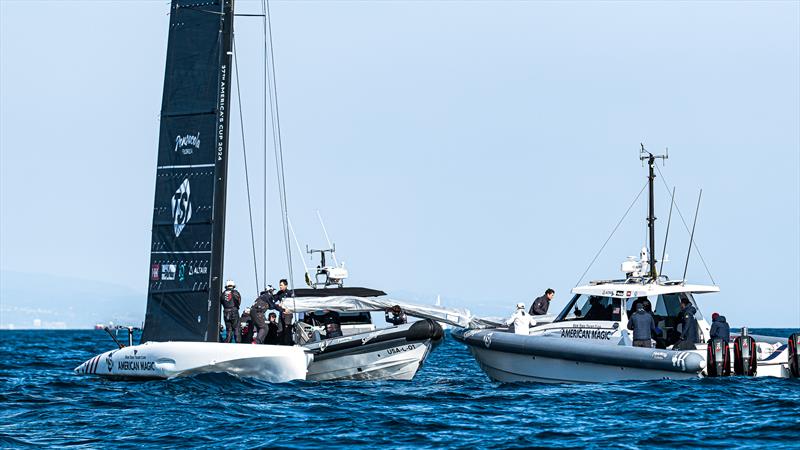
521	320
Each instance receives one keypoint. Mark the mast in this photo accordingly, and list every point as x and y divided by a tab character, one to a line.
651	215
186	257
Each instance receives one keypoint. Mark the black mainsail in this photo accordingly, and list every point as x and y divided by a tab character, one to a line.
189	212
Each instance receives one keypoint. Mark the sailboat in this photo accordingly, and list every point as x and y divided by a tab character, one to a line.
181	326
181	329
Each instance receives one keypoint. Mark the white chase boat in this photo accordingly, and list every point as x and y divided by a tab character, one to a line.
181	326
589	340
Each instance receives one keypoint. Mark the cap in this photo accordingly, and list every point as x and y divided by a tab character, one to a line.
230	283
714	316
520	305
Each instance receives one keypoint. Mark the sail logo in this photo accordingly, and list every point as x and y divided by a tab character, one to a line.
168	272
155	269
181	207
187	144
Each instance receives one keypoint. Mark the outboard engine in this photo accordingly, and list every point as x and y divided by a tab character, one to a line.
718	358
794	355
744	357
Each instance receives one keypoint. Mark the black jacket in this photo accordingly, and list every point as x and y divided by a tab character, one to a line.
689	333
539	306
721	329
230	299
643	326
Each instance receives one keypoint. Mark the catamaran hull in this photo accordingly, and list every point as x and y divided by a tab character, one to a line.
394	353
511	358
163	360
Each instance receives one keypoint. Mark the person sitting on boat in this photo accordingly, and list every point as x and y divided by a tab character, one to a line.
247	327
273	337
689	332
521	321
720	328
542	304
643	327
332	323
231	300
398	316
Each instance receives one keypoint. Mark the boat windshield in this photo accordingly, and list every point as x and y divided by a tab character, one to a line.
591	307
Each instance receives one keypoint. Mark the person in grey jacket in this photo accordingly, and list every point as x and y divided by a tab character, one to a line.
720	328
643	326
541	304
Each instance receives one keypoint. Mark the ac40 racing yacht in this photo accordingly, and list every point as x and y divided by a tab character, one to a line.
589	340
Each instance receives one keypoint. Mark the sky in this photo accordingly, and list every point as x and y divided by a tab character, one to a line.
479	151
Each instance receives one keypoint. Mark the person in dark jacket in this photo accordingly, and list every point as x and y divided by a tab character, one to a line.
247	327
720	328
689	332
541	304
263	303
643	327
286	321
272	330
398	317
231	300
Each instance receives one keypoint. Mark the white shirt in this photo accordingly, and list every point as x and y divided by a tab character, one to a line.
521	321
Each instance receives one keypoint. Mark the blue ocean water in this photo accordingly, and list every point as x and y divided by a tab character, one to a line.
450	404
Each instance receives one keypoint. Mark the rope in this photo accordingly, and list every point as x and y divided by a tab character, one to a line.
246	173
694	243
612	234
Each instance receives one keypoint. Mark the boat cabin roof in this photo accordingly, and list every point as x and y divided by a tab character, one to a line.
627	288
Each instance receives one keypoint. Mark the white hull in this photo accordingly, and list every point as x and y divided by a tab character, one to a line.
518	368
175	359
398	362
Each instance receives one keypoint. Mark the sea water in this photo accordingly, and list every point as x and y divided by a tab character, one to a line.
450	404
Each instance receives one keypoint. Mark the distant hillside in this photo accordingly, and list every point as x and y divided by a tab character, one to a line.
29	300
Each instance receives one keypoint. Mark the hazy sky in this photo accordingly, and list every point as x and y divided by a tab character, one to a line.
482	151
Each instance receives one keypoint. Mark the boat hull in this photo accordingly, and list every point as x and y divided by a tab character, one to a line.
511	358
394	360
394	353
164	360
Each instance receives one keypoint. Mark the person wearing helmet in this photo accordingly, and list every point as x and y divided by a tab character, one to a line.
521	321
258	311
231	300
398	317
246	326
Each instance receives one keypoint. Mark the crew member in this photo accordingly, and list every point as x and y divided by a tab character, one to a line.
272	330
720	328
643	326
285	324
398	317
541	304
247	327
258	311
521	320
689	333
230	300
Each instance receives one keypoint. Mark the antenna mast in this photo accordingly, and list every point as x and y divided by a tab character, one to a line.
644	155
